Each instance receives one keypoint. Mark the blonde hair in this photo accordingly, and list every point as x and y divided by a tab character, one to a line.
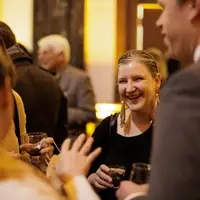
142	57
160	59
57	43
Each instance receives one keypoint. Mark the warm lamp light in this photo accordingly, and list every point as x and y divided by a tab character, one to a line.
103	110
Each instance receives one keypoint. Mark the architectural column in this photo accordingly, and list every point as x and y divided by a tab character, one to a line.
100	46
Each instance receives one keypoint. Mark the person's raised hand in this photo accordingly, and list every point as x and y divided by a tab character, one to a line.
76	160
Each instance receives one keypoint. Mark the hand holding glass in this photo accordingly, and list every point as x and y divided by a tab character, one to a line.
117	172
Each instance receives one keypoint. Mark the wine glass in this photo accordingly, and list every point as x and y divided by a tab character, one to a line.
36	139
140	173
117	173
33	142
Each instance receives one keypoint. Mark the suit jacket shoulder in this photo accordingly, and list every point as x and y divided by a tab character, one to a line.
71	80
175	161
184	79
76	72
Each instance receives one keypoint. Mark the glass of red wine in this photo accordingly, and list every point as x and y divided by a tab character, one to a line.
117	173
34	146
140	173
36	139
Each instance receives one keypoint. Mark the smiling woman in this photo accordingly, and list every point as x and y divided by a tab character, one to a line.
138	83
126	137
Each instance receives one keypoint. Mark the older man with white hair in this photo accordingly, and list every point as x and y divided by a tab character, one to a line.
54	56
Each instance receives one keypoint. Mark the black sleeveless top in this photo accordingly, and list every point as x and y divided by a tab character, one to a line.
119	150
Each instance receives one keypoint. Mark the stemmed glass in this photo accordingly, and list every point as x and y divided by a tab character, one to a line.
36	139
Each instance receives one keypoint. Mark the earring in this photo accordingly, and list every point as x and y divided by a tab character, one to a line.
154	109
123	114
157	98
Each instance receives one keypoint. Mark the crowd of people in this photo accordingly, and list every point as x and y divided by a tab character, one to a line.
158	125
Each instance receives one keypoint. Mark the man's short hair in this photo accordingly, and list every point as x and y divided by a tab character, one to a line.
7	35
57	43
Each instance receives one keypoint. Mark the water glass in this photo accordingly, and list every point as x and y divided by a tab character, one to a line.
140	173
117	172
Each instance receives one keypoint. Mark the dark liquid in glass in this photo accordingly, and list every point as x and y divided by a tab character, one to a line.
117	173
116	179
140	176
35	151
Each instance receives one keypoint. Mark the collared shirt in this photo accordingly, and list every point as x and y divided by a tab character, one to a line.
197	54
134	195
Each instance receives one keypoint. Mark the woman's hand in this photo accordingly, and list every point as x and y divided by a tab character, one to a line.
101	179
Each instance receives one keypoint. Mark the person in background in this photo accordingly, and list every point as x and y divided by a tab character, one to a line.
126	138
160	59
29	53
46	110
175	157
20	181
12	142
54	56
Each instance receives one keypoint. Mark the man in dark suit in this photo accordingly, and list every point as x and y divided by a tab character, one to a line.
175	158
45	105
54	56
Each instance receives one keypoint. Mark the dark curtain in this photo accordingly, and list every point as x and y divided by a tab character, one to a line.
65	17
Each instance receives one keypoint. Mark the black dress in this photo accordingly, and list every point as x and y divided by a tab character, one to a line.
119	150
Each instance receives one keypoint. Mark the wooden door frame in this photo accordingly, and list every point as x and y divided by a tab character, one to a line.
126	34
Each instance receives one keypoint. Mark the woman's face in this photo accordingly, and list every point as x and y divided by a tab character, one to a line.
136	86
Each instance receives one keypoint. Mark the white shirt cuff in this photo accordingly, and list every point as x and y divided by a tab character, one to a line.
132	196
84	189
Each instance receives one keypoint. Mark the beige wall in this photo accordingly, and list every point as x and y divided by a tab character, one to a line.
100	46
0	8
99	40
19	15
